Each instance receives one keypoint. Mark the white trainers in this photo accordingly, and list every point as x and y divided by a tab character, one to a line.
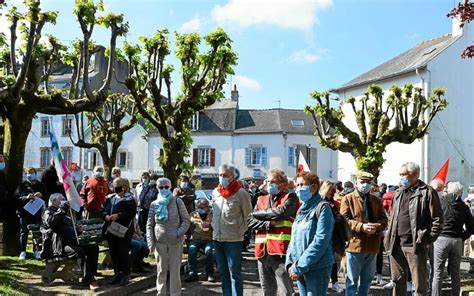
22	256
389	286
336	288
37	255
410	287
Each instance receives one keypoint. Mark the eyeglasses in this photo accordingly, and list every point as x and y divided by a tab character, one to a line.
163	187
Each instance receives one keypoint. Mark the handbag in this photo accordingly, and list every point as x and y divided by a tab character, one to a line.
117	229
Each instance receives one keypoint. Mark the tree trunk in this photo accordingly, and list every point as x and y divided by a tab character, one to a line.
17	128
171	169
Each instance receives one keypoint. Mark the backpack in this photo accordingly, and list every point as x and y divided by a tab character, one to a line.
342	232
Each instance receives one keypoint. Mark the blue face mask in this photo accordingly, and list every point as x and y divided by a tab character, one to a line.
273	189
201	211
405	182
303	193
31	177
364	188
2	166
224	181
165	192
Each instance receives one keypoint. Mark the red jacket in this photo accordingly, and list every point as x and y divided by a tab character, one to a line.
387	201
93	193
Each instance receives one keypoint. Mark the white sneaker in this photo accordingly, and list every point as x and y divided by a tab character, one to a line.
22	256
37	255
389	286
336	288
410	287
380	280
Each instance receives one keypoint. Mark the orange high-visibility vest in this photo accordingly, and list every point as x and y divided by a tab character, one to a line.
277	239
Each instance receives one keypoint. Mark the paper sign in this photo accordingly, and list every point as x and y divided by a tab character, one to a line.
33	206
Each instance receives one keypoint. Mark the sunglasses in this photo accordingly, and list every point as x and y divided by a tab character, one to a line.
163	187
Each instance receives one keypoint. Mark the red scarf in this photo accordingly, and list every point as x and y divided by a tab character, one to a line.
233	187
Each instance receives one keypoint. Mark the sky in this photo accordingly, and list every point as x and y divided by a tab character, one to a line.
286	48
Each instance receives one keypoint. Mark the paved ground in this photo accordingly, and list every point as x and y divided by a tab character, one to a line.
252	284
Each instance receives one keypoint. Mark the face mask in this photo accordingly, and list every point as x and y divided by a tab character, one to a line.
364	188
118	189
273	189
183	185
201	211
99	174
31	177
153	183
165	192
145	181
303	193
61	203
224	181
114	176
2	166
405	182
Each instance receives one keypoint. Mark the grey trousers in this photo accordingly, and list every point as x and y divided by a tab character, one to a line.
403	259
447	248
168	258
273	276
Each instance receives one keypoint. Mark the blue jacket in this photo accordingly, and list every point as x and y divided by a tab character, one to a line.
310	246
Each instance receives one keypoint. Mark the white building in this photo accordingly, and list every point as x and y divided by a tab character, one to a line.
432	63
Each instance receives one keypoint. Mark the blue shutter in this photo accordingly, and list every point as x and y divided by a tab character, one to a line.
264	156
247	156
291	155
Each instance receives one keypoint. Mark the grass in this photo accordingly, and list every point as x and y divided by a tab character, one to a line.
15	273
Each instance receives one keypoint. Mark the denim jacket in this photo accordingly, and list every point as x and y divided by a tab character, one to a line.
310	247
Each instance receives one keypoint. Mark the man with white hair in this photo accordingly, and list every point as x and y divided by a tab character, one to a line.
230	209
448	246
415	222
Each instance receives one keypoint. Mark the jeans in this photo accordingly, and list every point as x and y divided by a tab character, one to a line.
229	262
273	276
314	282
194	247
25	220
138	251
447	248
360	272
403	260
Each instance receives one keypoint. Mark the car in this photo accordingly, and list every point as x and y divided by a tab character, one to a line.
207	194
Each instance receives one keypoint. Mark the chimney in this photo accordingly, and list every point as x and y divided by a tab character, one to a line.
456	29
234	94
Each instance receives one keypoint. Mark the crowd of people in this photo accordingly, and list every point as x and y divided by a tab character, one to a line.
419	226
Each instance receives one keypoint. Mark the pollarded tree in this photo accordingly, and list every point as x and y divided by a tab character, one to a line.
25	91
202	76
104	128
465	12
403	116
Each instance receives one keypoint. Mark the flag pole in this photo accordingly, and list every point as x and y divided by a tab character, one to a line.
74	224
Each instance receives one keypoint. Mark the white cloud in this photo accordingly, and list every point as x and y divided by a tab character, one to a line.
295	14
193	25
306	57
246	82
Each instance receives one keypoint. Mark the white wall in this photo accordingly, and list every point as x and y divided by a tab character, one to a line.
452	130
223	146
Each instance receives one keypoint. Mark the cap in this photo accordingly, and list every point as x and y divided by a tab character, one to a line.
364	176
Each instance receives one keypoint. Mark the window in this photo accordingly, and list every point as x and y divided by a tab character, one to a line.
44	127
67	126
194	122
256	156
67	154
45	157
123	159
204	157
297	122
91	159
292	155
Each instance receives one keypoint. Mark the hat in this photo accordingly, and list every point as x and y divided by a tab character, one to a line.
364	176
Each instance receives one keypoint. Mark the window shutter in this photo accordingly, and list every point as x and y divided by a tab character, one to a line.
195	157
85	161
129	160
264	156
247	156
290	160
213	157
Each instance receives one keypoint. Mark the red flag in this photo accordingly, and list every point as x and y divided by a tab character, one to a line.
302	164
443	172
